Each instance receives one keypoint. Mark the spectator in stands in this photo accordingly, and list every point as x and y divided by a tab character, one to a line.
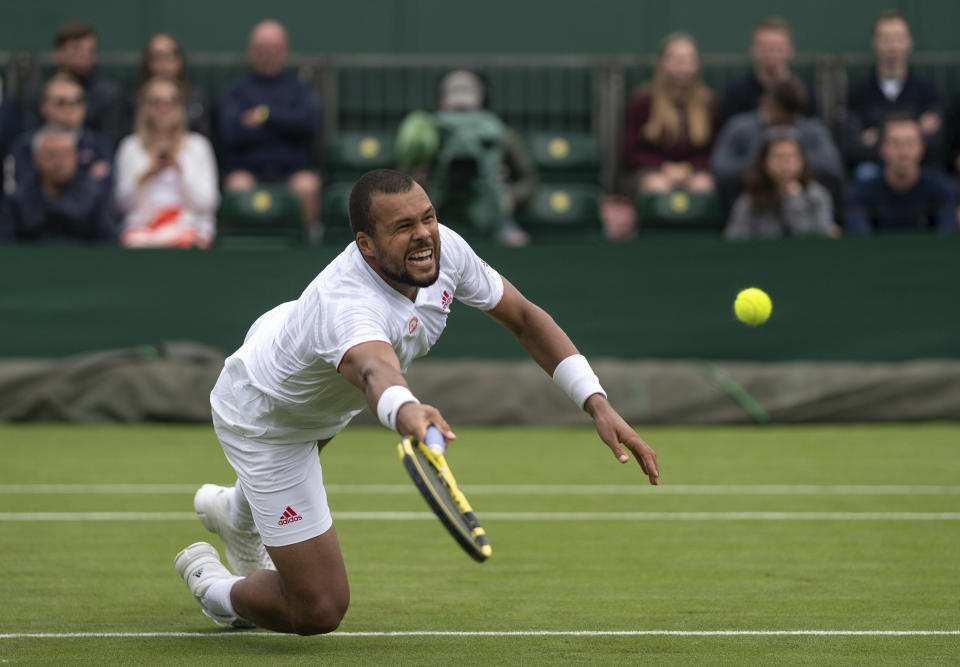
63	106
781	197
476	167
75	53
166	175
269	123
891	87
59	202
906	196
771	49
162	56
671	123
741	138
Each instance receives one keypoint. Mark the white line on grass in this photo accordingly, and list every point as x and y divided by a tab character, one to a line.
532	489
500	633
520	516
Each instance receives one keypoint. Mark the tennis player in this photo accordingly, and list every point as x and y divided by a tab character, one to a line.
307	367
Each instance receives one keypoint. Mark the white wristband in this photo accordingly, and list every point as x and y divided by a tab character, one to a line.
577	379
389	404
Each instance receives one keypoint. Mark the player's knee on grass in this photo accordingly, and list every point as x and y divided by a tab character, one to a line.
321	615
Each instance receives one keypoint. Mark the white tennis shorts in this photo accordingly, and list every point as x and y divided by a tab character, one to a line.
282	483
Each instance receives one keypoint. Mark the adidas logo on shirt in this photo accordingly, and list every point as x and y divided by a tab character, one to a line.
289	516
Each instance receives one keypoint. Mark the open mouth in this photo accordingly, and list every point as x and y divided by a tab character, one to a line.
421	258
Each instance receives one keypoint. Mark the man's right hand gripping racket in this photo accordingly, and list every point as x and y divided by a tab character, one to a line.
430	473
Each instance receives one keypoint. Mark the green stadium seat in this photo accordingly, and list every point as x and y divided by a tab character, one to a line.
565	156
336	212
349	154
560	209
264	215
679	209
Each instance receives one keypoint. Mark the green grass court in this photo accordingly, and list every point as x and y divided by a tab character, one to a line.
851	528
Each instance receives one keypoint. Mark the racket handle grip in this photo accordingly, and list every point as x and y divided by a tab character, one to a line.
434	440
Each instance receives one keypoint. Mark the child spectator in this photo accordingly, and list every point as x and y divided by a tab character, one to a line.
742	136
63	106
166	175
905	196
269	122
891	87
780	197
162	56
671	123
771	49
58	202
75	53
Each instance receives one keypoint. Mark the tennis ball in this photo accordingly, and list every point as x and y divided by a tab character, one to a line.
752	306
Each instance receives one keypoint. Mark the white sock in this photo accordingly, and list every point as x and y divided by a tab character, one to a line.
217	597
240	514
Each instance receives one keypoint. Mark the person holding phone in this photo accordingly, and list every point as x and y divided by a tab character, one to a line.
166	176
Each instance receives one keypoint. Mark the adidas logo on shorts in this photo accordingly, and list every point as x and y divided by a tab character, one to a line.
289	516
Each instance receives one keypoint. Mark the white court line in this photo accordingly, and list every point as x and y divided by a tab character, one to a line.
529	489
500	633
520	516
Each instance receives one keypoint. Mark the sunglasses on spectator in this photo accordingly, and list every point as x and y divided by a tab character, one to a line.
66	101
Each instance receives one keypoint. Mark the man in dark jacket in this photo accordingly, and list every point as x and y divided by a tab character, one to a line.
75	52
58	203
891	87
905	196
63	106
269	121
771	50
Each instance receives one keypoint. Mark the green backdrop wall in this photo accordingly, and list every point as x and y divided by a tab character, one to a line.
871	299
456	26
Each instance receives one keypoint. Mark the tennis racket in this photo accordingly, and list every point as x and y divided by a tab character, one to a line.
430	473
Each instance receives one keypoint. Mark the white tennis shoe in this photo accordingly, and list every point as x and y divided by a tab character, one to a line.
244	548
199	566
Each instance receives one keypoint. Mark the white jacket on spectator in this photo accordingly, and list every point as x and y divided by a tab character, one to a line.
175	207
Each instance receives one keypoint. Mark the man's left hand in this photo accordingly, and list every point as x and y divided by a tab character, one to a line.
615	432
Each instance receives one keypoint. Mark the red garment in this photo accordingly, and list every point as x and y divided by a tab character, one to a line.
639	153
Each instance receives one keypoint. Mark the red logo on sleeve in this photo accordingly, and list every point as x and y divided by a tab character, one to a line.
445	301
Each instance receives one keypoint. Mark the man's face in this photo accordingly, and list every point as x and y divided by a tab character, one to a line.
892	41
771	50
902	145
268	49
406	244
77	56
56	159
63	104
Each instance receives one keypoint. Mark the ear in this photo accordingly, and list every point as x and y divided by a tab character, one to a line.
366	244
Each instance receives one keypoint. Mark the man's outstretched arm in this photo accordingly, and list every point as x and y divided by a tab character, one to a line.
375	369
548	345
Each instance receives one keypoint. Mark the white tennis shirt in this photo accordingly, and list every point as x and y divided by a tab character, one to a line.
282	385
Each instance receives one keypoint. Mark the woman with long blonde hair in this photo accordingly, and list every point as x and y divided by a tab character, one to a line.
671	123
166	176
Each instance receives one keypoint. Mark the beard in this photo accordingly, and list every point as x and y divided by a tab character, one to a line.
403	276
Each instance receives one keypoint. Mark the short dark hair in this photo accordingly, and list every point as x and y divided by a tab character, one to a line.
378	181
60	77
790	95
71	31
773	23
889	15
898	117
